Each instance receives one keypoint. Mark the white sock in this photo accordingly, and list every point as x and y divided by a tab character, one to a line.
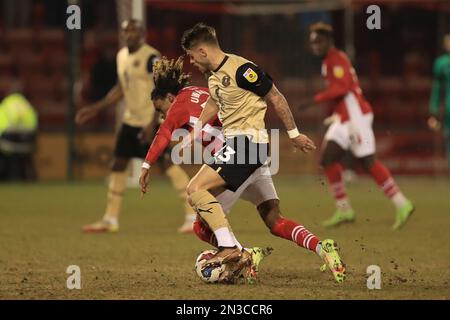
190	217
343	204
236	242
224	237
111	220
318	247
399	200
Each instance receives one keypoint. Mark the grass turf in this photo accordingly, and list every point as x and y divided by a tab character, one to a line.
40	237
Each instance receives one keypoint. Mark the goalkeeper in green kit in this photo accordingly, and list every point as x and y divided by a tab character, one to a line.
441	85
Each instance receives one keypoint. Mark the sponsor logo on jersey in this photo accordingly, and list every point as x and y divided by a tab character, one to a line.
250	75
136	63
338	72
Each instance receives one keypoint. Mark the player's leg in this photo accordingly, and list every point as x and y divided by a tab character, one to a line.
365	152
232	166
290	230
210	210
226	199
251	256
117	184
263	194
204	233
384	179
331	162
128	145
286	228
179	180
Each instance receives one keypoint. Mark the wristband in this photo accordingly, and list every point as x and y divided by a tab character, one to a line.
293	133
145	165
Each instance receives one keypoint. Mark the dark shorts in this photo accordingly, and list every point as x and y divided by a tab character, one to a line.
129	145
238	159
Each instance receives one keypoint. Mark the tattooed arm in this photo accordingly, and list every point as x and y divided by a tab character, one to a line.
276	99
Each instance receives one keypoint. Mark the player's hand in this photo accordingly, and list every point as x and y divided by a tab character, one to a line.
303	143
144	180
434	124
85	114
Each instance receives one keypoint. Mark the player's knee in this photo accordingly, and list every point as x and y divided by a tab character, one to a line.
269	212
119	164
192	187
325	161
367	162
331	154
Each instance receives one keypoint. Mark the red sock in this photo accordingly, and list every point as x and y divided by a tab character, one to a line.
205	233
384	179
334	177
290	230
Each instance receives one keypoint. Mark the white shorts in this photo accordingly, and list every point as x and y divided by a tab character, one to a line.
257	189
355	135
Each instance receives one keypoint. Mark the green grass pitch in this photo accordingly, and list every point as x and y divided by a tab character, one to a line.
40	237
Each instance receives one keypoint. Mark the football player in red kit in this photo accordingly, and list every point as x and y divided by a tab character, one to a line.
181	105
350	131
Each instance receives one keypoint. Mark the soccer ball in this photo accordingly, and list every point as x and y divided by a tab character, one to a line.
208	274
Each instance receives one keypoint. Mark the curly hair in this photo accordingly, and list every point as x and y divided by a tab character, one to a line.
169	77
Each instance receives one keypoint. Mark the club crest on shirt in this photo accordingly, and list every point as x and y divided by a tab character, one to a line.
136	63
338	72
226	81
250	75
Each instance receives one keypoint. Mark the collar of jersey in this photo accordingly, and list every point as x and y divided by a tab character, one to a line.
221	64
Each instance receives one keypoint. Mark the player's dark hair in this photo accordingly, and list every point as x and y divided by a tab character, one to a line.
322	28
169	77
200	33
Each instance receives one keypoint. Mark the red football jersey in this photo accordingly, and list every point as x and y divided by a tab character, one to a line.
184	113
343	90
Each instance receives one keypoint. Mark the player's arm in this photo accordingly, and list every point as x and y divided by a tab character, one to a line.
114	95
435	98
159	144
209	111
250	77
175	119
277	100
339	82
